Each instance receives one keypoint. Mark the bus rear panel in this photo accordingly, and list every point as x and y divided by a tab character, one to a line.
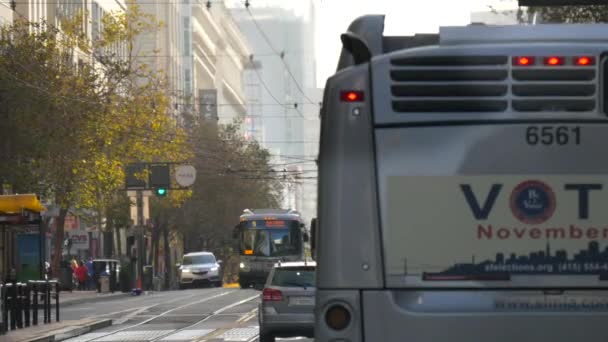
463	186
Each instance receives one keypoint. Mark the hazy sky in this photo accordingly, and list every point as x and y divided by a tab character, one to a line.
402	17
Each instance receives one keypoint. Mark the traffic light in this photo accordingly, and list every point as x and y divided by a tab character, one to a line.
160	179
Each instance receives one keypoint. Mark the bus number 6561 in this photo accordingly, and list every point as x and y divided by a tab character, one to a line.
553	135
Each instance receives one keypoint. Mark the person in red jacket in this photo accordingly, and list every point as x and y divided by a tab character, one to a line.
81	275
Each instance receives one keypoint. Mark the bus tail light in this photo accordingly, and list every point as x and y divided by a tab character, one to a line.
554	61
523	61
352	96
337	317
272	295
584	61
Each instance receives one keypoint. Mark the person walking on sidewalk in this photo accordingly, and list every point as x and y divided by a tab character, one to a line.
90	274
81	276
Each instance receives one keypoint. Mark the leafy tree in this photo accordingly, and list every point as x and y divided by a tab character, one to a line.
232	174
75	110
571	14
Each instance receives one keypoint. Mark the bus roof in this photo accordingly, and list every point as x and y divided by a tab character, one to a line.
275	214
365	37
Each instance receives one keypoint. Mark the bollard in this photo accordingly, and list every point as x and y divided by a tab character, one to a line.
57	301
3	322
11	302
35	298
19	304
47	297
26	304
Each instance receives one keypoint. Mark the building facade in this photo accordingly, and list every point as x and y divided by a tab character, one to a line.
219	57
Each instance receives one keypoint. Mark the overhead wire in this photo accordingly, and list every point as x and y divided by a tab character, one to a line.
305	160
281	54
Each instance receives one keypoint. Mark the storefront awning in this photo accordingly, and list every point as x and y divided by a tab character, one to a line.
16	204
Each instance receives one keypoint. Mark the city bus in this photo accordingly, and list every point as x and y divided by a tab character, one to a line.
265	237
463	184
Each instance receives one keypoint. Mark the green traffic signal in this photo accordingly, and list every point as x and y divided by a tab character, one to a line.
161	192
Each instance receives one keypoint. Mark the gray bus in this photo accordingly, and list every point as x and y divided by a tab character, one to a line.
265	237
463	184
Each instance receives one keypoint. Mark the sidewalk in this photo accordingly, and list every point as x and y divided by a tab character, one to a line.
56	331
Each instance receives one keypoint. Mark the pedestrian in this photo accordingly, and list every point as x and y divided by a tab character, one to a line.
90	274
81	276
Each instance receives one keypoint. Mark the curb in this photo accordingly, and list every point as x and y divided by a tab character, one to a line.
93	299
67	333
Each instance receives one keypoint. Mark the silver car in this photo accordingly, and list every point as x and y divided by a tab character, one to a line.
288	301
200	268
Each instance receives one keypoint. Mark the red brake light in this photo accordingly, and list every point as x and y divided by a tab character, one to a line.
584	61
352	96
554	61
523	61
271	295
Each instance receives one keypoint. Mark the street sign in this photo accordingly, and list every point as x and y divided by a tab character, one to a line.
185	175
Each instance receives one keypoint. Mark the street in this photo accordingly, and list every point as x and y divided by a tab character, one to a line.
191	315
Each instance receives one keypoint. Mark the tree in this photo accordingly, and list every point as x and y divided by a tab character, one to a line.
75	110
571	14
232	174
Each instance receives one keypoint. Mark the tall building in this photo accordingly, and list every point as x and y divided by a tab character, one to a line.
6	12
162	49
219	55
285	119
202	53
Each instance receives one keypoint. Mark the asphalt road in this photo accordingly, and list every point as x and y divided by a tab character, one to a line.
191	315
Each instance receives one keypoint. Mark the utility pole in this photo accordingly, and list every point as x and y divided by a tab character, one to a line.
140	235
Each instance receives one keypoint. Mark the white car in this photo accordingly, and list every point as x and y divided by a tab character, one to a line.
200	268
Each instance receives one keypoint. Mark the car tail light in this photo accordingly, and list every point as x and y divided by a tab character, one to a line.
272	295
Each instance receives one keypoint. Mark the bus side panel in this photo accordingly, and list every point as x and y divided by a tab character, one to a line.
349	239
461	317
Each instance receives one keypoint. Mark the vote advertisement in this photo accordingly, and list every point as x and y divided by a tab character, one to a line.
525	224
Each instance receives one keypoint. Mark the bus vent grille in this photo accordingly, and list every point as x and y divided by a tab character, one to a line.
448	84
565	88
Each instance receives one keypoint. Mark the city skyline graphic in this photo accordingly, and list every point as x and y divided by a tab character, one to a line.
591	260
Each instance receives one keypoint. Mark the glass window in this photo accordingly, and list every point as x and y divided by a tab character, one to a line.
294	277
199	259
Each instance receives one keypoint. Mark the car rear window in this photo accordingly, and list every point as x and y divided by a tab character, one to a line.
294	277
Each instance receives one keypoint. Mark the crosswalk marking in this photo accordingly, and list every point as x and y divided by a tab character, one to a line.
187	335
141	335
240	334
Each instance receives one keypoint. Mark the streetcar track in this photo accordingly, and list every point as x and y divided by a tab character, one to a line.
213	314
168	301
110	333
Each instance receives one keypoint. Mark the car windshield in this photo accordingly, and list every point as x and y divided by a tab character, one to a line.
294	277
270	242
198	259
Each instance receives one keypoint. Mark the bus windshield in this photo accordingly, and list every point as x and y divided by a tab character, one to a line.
270	242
